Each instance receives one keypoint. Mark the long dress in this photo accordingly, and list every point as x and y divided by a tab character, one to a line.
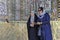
46	32
32	31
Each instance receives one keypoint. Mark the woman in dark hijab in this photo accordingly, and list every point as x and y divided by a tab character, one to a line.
32	28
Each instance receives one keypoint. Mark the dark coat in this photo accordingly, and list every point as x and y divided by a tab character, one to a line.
32	31
46	27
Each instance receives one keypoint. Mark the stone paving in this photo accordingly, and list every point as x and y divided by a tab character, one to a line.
18	30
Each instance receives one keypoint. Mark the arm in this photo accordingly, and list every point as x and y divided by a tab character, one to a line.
28	22
46	20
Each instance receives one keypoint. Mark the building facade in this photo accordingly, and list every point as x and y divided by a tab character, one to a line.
19	10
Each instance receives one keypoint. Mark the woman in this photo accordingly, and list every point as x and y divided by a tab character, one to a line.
32	28
44	22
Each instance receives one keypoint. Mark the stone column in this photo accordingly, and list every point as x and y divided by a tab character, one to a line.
17	15
54	8
12	9
3	10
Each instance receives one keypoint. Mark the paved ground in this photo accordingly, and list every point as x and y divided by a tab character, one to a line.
18	31
12	32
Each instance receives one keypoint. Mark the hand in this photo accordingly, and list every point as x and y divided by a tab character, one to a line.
39	23
32	25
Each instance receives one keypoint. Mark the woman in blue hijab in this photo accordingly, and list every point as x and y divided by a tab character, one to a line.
44	29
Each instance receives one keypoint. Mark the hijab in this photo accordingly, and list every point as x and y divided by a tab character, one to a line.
32	17
42	14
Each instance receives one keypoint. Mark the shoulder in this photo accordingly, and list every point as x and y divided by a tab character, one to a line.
47	14
35	15
28	19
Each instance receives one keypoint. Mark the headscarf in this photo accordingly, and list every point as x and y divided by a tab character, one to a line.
32	17
42	14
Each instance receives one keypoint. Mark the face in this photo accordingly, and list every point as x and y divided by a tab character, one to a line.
39	11
32	14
